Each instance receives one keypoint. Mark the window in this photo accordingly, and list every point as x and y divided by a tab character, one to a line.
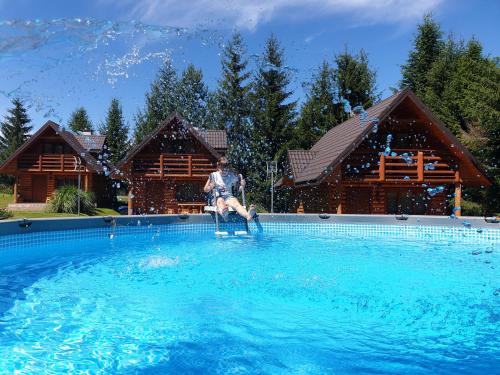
406	201
189	192
66	181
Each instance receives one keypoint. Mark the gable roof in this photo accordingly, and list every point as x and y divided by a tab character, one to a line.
173	117
215	138
341	140
299	159
67	136
91	143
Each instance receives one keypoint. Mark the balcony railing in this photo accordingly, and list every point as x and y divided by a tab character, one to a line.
408	166
48	163
173	165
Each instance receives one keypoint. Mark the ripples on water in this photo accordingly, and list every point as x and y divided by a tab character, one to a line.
253	305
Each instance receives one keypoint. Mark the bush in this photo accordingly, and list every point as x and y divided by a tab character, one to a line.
65	200
5	189
470	208
4	214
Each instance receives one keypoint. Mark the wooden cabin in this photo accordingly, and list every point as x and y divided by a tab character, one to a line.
396	157
167	171
53	157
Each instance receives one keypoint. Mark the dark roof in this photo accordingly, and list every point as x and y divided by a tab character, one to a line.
196	133
216	138
299	159
92	143
341	140
67	136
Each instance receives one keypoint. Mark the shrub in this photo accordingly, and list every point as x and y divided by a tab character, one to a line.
4	214
470	208
65	200
5	189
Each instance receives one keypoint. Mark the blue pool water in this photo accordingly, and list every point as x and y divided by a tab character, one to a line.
281	303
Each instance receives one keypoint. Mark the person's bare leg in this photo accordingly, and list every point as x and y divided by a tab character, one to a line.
221	205
233	203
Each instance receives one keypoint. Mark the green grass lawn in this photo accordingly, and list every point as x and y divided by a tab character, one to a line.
5	199
41	214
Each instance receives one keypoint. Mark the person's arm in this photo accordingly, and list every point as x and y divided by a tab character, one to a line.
209	186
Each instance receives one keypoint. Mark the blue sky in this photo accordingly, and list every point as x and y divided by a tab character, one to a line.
62	54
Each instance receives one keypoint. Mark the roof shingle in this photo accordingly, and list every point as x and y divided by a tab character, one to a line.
92	143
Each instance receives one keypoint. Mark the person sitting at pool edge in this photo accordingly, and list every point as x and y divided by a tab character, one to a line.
222	182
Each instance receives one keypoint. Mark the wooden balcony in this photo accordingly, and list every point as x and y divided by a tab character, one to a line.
48	163
418	166
173	165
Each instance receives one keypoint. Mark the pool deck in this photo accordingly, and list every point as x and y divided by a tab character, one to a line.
20	226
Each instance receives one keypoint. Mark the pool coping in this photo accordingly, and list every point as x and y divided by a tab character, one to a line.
23	226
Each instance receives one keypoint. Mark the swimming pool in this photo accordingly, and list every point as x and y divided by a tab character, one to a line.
148	299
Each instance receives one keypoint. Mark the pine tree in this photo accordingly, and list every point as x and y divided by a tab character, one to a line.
273	116
192	96
116	132
161	101
14	130
427	47
319	111
234	103
436	95
79	121
355	81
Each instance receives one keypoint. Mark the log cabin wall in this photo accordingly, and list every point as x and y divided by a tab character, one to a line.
170	164
45	164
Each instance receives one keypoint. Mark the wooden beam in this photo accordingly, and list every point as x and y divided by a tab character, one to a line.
190	165
16	181
420	166
130	202
161	166
381	168
458	199
86	182
339	206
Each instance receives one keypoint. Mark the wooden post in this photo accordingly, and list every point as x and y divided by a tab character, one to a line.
16	181
161	166
420	166
339	206
300	209
130	202
458	199
61	161
190	165
381	168
86	183
40	162
458	195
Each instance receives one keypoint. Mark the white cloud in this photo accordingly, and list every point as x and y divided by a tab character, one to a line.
250	13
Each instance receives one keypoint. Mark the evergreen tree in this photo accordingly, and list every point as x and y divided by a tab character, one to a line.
474	95
14	130
355	81
161	101
273	115
319	111
234	103
436	94
427	47
79	121
192	96
116	132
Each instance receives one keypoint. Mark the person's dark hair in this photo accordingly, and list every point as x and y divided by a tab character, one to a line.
222	161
